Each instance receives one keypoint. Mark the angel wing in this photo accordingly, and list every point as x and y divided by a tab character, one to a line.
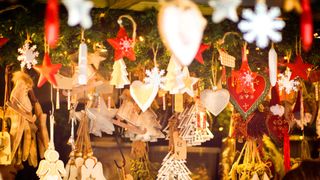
97	171
60	168
43	168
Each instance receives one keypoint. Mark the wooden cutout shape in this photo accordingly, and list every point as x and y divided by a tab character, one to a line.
92	170
215	101
143	94
51	167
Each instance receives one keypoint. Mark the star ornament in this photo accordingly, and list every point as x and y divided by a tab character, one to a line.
101	119
188	82
79	12
47	71
224	9
299	68
261	25
123	46
95	59
202	48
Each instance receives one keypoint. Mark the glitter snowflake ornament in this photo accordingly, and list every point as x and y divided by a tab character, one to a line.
261	25
28	55
286	84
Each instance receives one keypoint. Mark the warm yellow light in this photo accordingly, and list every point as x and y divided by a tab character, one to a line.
141	38
257	49
220	128
247	51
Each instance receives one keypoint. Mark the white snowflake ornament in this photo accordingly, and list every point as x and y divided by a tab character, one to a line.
155	77
224	9
79	12
261	25
28	55
286	84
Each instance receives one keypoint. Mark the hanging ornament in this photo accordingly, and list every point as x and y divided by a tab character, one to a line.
79	12
174	77
122	44
28	55
3	41
119	74
201	49
101	119
318	121
47	71
188	81
249	88
95	59
252	165
286	84
173	168
299	68
83	64
289	5
244	77
144	93
261	24
146	120
273	65
181	26
215	100
224	9
92	168
193	126
226	59
306	25
51	167
51	26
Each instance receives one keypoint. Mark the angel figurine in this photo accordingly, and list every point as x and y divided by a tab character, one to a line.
92	169
51	167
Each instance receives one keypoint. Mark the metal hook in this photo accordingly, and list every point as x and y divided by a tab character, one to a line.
123	158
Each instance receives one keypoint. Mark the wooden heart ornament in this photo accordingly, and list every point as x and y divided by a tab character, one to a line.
143	94
246	103
181	27
215	101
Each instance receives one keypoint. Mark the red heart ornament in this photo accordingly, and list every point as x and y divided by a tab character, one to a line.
245	102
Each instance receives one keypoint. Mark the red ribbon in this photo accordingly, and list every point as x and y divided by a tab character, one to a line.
286	150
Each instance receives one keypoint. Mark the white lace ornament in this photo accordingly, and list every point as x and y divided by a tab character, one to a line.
286	84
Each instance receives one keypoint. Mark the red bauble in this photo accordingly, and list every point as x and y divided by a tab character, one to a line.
306	25
47	71
201	49
51	25
123	46
3	41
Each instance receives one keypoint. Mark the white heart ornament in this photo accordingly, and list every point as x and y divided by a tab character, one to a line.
215	101
143	94
181	28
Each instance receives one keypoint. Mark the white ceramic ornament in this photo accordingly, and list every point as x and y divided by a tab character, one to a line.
82	64
261	25
273	65
79	12
181	27
92	170
224	9
215	100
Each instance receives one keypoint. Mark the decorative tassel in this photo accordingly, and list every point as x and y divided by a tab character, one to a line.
318	121
58	99
69	99
316	90
286	150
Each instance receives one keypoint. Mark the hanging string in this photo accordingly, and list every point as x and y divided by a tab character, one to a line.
155	52
134	28
214	71
51	143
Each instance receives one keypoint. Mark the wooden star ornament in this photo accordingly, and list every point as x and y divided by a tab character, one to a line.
95	59
188	82
202	48
47	71
123	45
299	68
